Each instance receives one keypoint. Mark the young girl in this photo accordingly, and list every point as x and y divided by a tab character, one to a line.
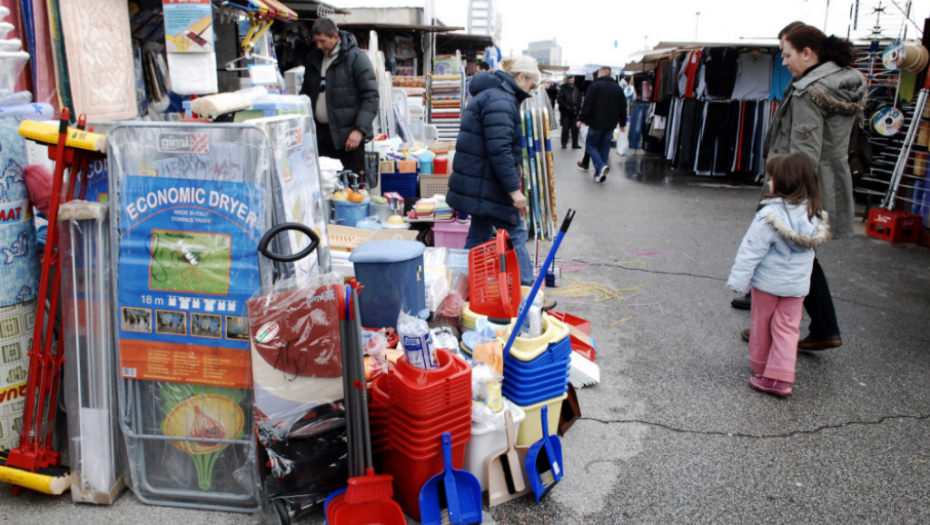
775	259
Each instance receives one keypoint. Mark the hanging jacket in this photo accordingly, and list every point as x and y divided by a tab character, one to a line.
815	118
569	99
604	105
488	152
352	99
777	252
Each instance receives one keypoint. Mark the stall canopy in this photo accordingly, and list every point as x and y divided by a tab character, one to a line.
647	59
309	9
448	43
588	70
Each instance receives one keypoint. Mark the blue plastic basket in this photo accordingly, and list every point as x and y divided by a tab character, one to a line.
403	183
556	354
537	395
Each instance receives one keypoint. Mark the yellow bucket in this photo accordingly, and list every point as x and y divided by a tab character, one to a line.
531	429
526	349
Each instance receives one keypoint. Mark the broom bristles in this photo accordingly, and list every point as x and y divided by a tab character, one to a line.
370	487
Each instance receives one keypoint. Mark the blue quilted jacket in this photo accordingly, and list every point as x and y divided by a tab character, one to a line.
487	161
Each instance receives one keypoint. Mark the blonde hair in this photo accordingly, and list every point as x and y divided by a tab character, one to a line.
521	64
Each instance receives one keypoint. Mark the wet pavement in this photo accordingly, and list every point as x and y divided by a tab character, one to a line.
674	433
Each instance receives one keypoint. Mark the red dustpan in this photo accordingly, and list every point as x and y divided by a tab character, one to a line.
367	501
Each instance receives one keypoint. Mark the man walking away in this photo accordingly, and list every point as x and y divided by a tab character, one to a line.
604	108
341	84
569	106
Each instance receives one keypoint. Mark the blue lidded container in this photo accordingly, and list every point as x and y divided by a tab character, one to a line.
391	273
349	213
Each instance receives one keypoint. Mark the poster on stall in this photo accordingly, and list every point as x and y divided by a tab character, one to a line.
188	26
187	265
16	327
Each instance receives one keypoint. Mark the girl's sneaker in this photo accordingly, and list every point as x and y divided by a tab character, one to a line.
772	386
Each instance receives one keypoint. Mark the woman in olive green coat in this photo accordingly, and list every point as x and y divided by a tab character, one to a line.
815	118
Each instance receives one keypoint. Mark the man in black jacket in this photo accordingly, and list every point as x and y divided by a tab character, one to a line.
604	108
342	87
569	106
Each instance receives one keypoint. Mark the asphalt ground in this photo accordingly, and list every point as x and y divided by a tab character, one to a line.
674	433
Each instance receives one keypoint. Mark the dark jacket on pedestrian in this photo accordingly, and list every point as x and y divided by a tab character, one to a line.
552	91
486	168
569	99
604	104
352	99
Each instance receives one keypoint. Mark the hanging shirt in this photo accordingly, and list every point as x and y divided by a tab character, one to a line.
781	77
720	71
753	76
688	73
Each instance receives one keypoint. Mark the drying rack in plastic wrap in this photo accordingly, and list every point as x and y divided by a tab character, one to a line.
188	204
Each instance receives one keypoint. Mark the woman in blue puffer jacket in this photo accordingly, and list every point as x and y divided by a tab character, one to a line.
775	259
486	176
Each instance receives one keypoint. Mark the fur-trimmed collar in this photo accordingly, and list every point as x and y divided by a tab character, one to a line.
825	99
789	234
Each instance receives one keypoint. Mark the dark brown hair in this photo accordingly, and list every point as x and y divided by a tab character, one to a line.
784	31
794	179
828	48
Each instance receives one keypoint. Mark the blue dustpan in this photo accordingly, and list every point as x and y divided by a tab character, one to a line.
544	460
452	496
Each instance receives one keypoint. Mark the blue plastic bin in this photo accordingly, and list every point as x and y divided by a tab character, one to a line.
351	212
403	183
391	273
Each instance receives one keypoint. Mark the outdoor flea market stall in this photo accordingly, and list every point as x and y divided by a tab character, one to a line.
229	320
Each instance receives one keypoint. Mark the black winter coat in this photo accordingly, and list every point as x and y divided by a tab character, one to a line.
569	98
604	105
488	152
352	98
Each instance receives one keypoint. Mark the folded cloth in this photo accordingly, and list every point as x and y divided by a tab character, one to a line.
193	73
35	111
214	105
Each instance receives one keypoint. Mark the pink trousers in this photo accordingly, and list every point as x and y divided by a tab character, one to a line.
773	336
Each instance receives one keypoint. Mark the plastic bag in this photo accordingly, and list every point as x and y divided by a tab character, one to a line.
583	134
416	341
623	144
454	303
486	387
532	323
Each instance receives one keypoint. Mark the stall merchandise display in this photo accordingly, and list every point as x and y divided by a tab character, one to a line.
189	204
445	94
538	167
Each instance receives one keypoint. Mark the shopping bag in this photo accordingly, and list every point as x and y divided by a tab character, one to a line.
583	134
623	143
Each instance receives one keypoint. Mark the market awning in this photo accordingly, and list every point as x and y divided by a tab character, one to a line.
399	27
449	42
312	9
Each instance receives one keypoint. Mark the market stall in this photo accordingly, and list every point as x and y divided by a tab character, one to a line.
259	329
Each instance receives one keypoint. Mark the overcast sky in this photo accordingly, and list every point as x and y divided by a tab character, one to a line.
587	29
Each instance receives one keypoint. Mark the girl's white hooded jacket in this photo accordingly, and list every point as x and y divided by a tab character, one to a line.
777	252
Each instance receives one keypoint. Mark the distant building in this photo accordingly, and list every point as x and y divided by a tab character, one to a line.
483	19
546	52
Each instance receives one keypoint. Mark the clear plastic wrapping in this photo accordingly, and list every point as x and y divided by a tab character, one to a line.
189	203
90	358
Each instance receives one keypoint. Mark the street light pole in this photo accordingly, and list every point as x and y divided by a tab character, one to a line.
697	20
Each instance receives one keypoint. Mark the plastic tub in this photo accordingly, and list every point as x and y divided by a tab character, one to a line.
469	318
450	234
412	471
422	392
381	211
391	274
486	440
531	429
441	165
351	212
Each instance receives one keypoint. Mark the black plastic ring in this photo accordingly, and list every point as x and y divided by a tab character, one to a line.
287	226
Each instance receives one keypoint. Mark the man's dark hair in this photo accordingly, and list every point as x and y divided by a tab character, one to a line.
324	26
787	29
484	66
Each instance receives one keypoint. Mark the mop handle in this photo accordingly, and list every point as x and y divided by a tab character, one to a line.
539	279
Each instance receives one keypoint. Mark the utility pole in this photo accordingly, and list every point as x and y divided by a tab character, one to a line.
697	21
826	16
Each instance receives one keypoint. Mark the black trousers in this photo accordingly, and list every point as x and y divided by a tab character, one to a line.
351	160
819	306
569	123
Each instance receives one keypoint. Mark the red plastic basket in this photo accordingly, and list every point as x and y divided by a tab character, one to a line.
494	278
